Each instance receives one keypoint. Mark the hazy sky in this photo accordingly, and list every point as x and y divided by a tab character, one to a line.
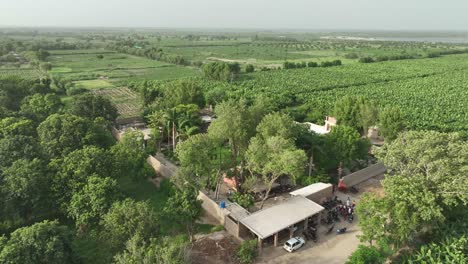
293	14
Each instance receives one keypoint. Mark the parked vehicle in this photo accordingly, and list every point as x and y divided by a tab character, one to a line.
341	230
294	244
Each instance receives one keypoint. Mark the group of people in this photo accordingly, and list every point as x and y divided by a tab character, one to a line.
347	209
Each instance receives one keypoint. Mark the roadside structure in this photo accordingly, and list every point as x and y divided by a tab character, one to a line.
317	192
288	216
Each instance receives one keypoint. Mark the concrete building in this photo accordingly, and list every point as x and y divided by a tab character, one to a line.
325	129
317	192
283	219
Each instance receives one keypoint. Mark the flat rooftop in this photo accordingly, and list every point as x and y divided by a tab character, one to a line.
269	221
237	212
311	189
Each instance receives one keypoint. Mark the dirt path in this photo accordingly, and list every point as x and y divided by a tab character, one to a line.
330	249
334	249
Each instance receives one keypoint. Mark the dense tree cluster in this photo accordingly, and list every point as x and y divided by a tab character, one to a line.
221	71
425	197
60	162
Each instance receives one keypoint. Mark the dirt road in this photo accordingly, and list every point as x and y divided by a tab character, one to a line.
334	249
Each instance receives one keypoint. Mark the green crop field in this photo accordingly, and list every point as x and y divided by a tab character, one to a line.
433	92
27	73
85	65
93	84
127	101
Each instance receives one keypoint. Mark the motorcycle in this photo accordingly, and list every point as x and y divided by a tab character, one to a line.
341	230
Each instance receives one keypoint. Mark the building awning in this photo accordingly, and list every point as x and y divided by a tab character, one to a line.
272	220
311	189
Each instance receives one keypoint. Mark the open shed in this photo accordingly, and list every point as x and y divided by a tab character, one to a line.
269	222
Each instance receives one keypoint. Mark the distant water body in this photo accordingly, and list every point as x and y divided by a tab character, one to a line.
426	39
414	39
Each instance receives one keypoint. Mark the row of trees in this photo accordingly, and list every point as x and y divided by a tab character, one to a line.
310	64
221	71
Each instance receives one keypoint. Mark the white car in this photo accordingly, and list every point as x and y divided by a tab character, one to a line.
294	244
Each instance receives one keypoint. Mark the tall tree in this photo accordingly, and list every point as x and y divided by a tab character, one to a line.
357	112
129	156
183	93
391	123
126	219
26	190
426	187
235	126
42	243
184	208
92	106
38	106
73	170
88	205
274	157
13	126
18	147
61	134
277	124
344	144
200	161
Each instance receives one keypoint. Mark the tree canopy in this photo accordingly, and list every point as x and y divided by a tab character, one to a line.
44	243
92	106
61	134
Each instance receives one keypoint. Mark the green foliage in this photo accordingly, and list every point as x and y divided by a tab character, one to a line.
308	180
451	250
199	162
18	147
438	158
391	123
73	170
13	126
220	71
44	243
273	157
245	200
129	156
425	189
169	250
127	219
372	212
247	252
344	144
38	106
249	68
26	190
366	255
89	204
92	106
277	124
184	208
356	112
61	134
366	60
